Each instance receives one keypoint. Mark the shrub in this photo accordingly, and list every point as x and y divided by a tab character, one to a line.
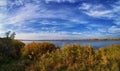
112	54
10	51
35	50
10	48
70	58
17	46
78	58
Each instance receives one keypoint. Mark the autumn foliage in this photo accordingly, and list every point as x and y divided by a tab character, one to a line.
36	50
45	56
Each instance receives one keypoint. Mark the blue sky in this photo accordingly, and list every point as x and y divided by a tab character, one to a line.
59	19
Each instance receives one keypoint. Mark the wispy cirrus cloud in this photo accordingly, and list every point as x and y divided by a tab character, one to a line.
2	13
97	11
3	2
25	13
60	1
114	29
101	11
44	35
116	11
20	17
32	11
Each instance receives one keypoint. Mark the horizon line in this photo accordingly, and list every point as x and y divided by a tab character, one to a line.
70	39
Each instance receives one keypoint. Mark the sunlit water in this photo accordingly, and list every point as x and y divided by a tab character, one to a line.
95	43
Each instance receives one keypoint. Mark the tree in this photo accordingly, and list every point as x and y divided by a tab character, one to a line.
7	34
12	36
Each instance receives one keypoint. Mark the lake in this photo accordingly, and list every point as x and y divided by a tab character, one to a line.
95	43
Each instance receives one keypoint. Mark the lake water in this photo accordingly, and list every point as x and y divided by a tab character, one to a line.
95	43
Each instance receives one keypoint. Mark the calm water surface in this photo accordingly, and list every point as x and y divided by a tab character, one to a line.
95	43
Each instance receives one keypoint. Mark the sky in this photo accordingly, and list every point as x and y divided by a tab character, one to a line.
60	19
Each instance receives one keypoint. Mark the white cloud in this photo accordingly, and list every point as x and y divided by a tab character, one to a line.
117	20
59	1
103	30
97	11
116	11
30	11
85	6
2	9
98	14
24	13
100	11
2	16
42	35
46	22
76	33
95	25
90	34
3	2
114	29
50	35
77	20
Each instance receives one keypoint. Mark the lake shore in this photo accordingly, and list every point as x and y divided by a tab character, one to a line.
92	39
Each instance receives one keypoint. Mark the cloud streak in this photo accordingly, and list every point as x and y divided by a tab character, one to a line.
61	1
3	2
101	11
114	29
25	13
97	11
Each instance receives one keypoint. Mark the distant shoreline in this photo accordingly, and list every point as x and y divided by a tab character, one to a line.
103	39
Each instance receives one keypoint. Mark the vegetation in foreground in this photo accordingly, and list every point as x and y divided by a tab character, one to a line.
45	56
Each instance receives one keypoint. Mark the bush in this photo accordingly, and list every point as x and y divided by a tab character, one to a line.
112	54
76	53
10	48
70	58
35	50
17	46
10	52
78	58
